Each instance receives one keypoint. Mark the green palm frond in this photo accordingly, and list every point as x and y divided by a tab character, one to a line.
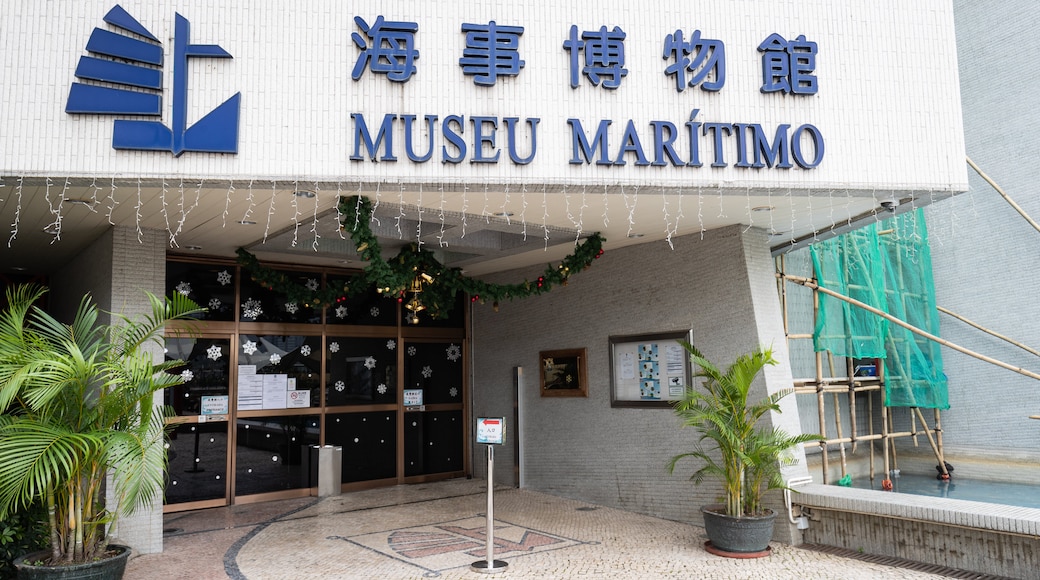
78	401
732	448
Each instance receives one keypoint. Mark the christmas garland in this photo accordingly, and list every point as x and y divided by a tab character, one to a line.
395	277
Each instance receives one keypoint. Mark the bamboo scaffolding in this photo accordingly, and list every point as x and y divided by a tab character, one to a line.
811	284
851	386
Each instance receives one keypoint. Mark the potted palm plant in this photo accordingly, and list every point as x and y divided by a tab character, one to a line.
745	457
78	406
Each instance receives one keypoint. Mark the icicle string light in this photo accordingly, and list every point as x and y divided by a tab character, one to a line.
51	228
375	207
700	210
679	215
790	204
418	226
296	212
567	207
112	199
400	211
465	208
523	210
667	219
227	203
339	216
606	204
830	202
440	213
545	216
848	207
17	211
187	210
632	210
484	211
769	202
162	199
505	206
809	214
314	219
140	204
747	210
270	209
251	203
581	214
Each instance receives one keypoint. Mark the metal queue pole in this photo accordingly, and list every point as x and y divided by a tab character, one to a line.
490	431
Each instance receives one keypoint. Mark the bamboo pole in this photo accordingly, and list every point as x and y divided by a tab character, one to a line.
938	437
870	430
1032	351
890	437
935	448
849	370
837	416
810	284
1007	198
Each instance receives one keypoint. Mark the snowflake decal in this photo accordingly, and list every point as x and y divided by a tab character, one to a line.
333	347
340	385
305	350
454	352
453	392
381	389
291	307
251	309
427	372
224	278
341	312
187	375
370	362
391	344
249	347
311	284
214	303
213	352
411	351
276	358
374	311
184	288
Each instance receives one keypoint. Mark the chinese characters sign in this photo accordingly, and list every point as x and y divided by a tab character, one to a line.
493	52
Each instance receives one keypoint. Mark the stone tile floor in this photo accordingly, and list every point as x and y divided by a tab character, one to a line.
437	530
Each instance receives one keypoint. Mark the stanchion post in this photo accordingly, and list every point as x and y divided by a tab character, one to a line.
490	431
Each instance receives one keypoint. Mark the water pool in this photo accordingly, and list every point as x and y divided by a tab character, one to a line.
999	492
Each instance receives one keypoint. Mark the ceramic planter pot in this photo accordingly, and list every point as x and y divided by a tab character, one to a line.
111	568
744	535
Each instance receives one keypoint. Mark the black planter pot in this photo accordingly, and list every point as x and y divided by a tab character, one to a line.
740	536
107	569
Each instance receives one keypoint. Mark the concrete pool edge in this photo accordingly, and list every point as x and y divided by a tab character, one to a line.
982	537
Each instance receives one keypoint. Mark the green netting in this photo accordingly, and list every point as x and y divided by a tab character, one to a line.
848	265
893	273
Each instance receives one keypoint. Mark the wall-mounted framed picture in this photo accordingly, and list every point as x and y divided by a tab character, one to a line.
649	370
563	373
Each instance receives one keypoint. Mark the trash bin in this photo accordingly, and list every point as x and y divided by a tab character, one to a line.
326	466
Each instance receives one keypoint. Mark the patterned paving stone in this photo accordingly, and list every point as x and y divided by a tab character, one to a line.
438	530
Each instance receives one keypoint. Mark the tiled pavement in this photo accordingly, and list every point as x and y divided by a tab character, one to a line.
437	530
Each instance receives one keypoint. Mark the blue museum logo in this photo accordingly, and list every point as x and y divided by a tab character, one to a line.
123	76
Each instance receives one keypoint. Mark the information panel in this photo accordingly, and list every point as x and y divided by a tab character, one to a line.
491	430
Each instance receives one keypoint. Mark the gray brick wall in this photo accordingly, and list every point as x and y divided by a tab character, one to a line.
722	287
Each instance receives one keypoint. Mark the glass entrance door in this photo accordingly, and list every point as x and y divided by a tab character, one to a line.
433	423
198	445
